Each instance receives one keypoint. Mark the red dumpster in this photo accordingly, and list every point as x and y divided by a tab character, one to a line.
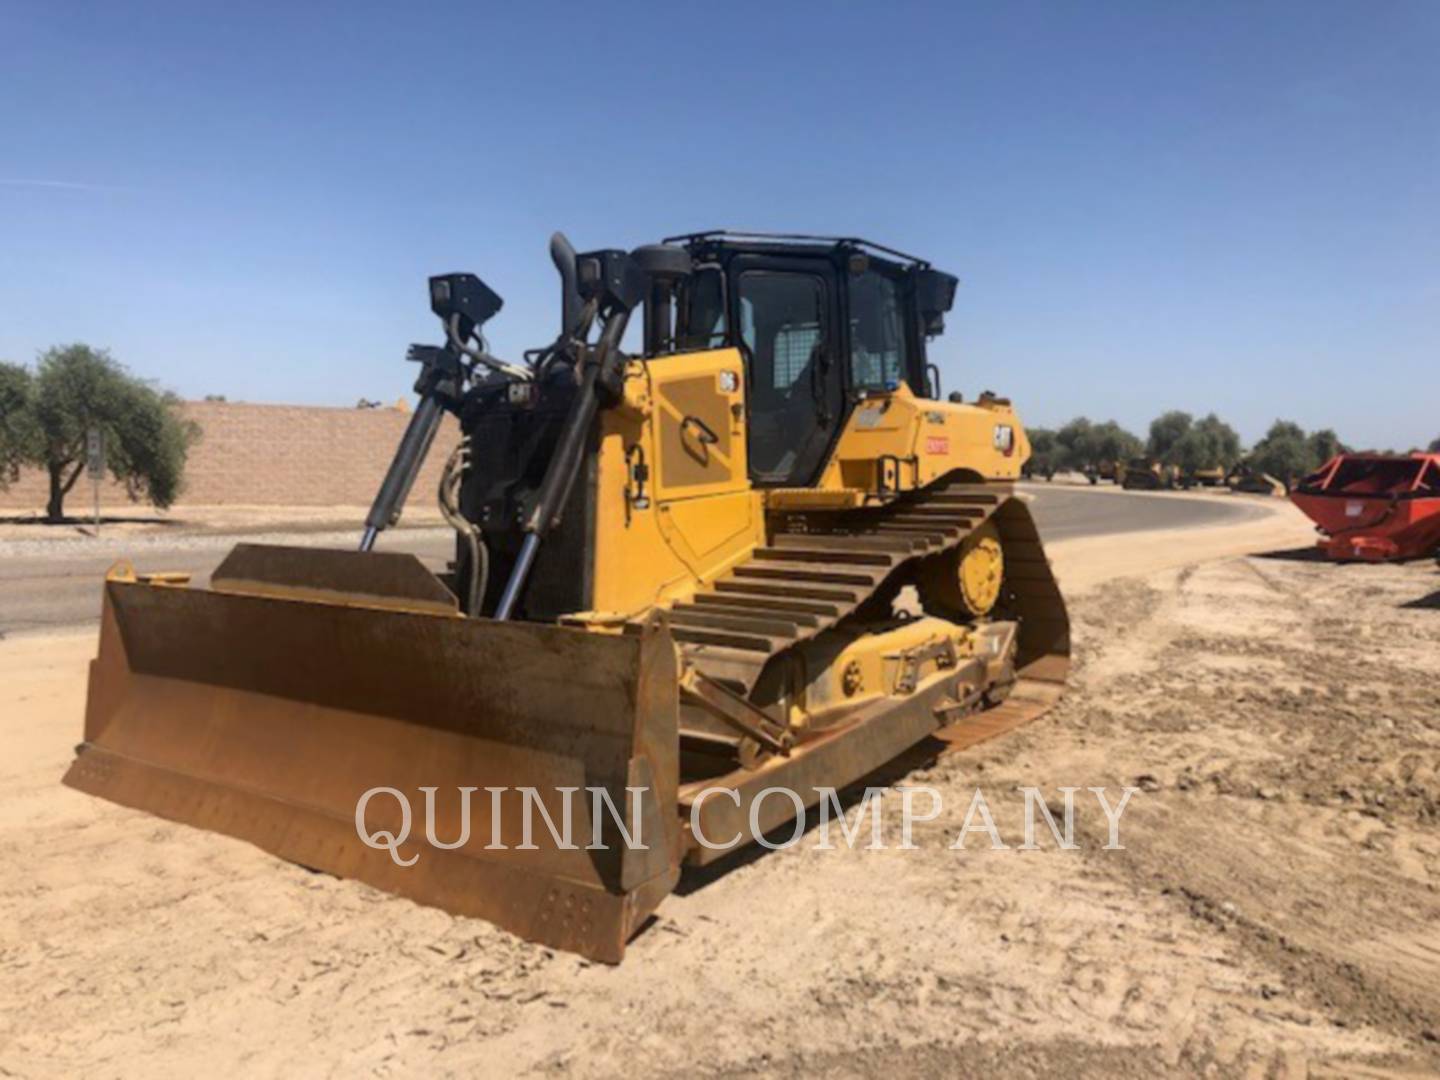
1374	506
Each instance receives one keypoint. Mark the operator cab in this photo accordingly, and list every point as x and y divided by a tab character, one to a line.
821	322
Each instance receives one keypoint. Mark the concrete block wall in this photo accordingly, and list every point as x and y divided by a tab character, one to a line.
273	455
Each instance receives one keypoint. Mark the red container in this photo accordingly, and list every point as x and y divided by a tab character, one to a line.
1374	506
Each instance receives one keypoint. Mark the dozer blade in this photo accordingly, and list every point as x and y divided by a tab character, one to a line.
266	707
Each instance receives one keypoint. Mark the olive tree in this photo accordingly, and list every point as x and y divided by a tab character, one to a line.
1324	445
1113	443
1221	440
1074	447
1166	431
1208	443
1285	452
1081	444
17	421
77	388
1045	453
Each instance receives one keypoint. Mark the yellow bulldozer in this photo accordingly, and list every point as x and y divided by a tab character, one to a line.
1148	474
1205	476
673	595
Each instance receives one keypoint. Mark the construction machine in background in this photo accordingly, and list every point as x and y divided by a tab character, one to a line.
1247	479
1209	476
1113	471
1148	474
673	593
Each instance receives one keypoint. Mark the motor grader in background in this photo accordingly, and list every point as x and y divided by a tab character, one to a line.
676	571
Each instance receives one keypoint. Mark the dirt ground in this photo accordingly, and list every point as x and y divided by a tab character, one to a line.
1273	912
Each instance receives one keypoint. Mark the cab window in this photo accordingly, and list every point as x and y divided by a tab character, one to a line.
792	342
879	359
793	395
703	312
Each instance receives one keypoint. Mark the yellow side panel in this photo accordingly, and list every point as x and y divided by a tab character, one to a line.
692	515
698	424
704	532
897	441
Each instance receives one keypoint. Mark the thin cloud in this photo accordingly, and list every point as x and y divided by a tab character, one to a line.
58	185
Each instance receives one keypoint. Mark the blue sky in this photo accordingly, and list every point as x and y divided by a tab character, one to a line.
1228	206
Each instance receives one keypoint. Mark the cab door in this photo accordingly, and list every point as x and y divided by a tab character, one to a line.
787	314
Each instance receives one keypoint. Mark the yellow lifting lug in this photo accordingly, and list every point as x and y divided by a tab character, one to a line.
121	570
124	571
175	579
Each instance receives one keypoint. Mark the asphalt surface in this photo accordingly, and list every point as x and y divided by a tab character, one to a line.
53	590
1063	512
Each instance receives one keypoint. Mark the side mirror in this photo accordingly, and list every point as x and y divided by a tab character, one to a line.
934	296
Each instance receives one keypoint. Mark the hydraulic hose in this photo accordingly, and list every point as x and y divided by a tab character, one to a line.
451	478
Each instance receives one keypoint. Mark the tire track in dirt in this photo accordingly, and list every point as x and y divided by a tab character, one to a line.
1390	982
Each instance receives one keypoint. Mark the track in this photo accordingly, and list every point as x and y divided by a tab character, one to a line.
821	568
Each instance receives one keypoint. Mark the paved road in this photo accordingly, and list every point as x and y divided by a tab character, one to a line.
40	592
62	589
1065	513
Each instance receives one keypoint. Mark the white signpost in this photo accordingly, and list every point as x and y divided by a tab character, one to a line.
95	466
